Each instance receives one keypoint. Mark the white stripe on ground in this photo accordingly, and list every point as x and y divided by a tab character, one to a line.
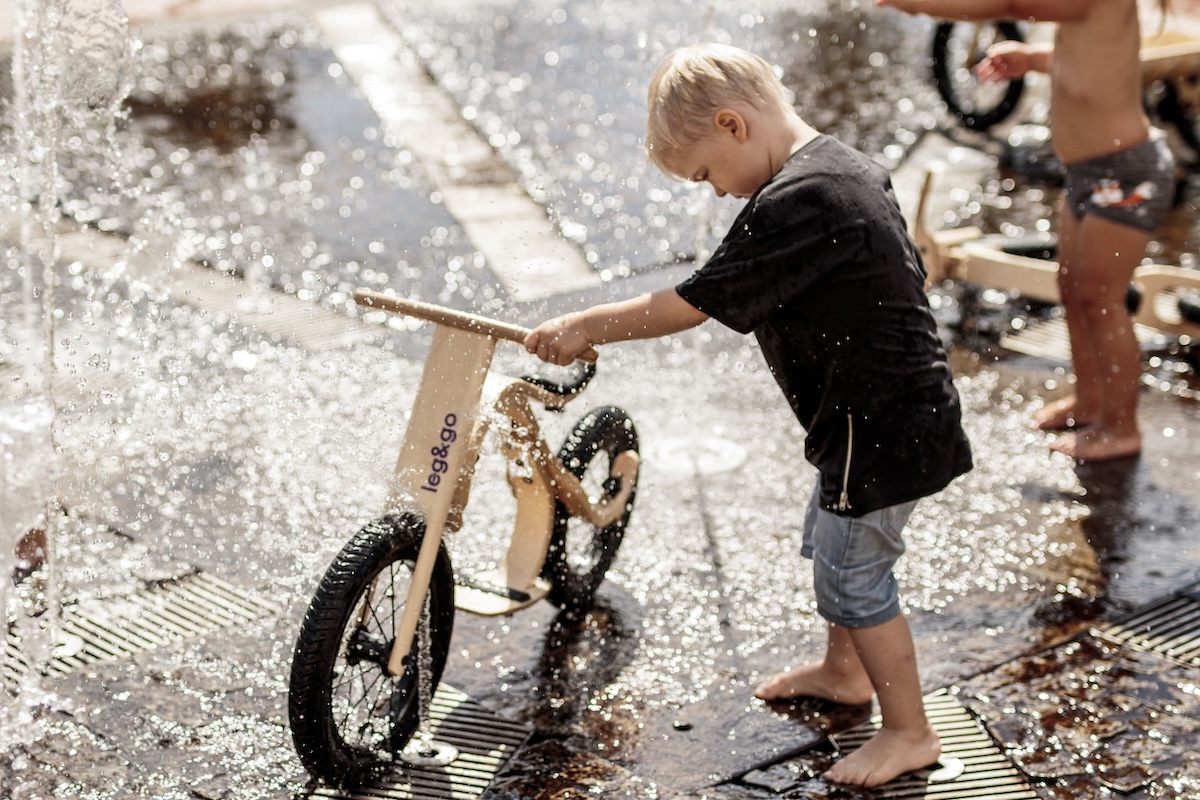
519	242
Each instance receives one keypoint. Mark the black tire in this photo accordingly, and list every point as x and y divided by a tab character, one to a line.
1189	306
957	48
1177	103
580	553
1041	246
348	717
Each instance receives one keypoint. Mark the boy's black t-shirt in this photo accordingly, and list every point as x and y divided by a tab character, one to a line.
820	266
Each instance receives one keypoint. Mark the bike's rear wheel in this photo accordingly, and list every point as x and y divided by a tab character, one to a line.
957	48
348	715
580	553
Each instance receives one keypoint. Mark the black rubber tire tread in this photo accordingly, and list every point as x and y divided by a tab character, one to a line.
608	431
976	119
320	648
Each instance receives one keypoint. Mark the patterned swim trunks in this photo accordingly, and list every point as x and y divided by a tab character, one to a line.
1134	186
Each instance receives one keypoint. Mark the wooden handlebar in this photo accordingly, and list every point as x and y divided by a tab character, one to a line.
441	315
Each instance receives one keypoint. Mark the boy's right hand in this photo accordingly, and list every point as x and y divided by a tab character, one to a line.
558	341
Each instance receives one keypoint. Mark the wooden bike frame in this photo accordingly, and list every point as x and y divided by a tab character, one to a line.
960	254
437	461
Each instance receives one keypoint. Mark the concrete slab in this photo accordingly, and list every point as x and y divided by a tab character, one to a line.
520	243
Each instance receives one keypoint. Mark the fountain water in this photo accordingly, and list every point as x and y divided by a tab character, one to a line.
70	69
24	484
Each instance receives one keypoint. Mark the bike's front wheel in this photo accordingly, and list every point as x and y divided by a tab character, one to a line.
348	715
958	47
580	553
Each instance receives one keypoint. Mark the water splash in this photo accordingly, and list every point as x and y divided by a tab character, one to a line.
423	749
25	483
70	70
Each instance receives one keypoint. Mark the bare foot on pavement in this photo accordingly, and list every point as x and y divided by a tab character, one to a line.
887	755
1059	415
816	681
1098	444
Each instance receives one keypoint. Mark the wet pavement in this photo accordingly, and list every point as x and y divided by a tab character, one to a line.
213	463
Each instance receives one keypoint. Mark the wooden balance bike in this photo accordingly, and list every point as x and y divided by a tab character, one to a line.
373	644
965	254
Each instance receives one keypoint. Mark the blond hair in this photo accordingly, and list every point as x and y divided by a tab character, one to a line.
692	84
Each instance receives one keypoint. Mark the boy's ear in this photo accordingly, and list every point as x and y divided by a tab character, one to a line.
731	122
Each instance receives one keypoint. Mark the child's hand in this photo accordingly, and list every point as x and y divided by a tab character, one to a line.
1004	61
558	341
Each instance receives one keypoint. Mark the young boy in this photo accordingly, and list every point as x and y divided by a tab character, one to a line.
820	267
1120	184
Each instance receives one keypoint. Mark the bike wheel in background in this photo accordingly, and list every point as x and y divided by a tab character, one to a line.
957	48
1175	101
580	553
348	715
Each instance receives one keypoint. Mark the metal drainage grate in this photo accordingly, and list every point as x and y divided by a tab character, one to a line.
117	628
985	773
485	742
1049	339
1170	627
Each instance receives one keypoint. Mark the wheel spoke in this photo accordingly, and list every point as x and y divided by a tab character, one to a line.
958	48
362	690
348	715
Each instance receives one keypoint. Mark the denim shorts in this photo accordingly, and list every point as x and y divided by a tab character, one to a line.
852	562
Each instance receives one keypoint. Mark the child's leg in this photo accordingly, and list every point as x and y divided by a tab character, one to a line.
906	740
869	644
839	677
1104	349
1083	406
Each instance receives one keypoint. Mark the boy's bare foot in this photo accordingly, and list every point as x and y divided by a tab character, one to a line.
816	681
887	755
1058	416
1098	444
